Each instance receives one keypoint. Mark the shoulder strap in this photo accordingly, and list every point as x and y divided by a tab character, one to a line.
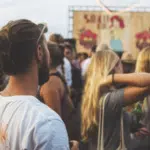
122	132
39	87
57	74
122	145
100	142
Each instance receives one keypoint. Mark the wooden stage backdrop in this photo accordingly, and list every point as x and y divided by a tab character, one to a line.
129	31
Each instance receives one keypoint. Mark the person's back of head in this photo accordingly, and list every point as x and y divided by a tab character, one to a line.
84	55
81	57
104	47
21	42
127	57
43	25
102	64
143	61
56	55
56	38
128	62
68	46
92	50
25	57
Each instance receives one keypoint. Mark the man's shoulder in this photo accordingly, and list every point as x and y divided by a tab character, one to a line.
42	110
34	120
49	123
31	106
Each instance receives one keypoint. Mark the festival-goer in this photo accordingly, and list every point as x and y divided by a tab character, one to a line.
76	93
76	61
128	62
101	81
25	122
68	52
56	38
76	73
66	70
85	63
54	93
143	65
103	47
81	57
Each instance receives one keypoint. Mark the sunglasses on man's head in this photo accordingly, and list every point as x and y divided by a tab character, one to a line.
42	32
14	28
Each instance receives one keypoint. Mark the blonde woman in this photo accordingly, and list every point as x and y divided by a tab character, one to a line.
99	81
143	61
143	65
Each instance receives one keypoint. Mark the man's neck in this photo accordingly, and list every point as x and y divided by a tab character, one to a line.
26	84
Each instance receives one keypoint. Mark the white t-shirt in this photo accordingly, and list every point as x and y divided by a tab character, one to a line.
84	66
67	69
27	124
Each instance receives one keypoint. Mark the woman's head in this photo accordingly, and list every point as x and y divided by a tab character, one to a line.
106	60
102	64
56	55
143	61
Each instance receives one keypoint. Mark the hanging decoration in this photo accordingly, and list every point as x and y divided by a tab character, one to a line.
108	11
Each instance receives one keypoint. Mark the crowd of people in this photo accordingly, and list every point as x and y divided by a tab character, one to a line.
55	99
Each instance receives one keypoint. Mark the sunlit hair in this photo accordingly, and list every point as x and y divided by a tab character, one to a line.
102	64
56	38
143	61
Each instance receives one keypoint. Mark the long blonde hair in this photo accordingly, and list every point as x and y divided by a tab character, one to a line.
143	61
102	63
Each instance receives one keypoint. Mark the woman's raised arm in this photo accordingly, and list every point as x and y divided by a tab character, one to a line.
132	79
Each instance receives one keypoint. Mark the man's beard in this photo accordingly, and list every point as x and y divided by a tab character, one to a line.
43	73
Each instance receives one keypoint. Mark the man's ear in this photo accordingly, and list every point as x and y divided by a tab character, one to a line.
39	53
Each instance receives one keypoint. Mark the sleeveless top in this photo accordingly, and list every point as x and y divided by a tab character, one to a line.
65	107
57	74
